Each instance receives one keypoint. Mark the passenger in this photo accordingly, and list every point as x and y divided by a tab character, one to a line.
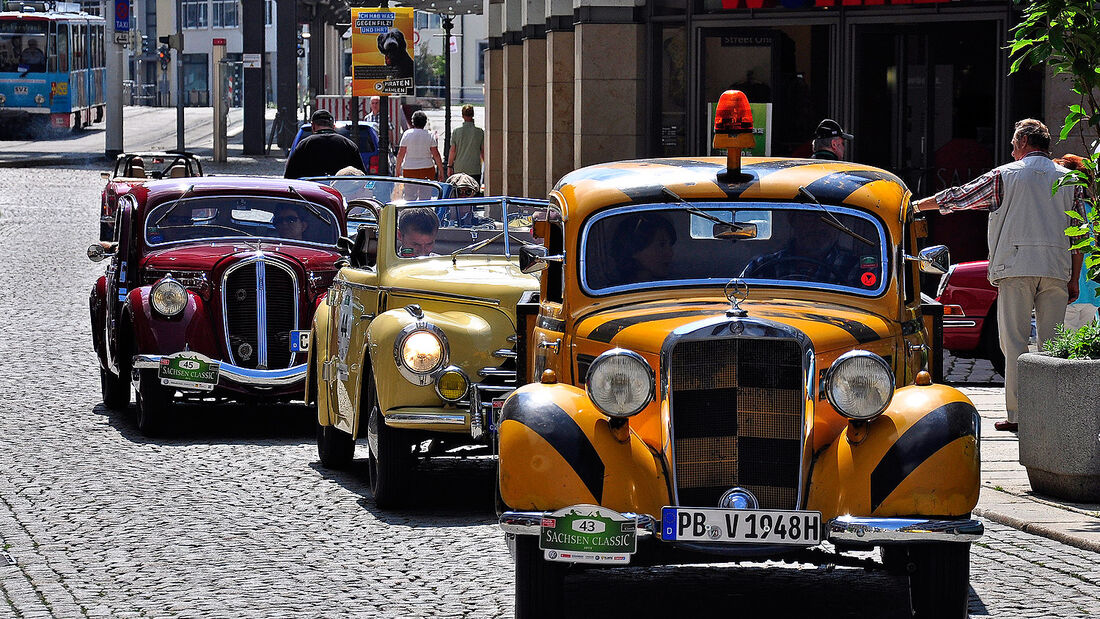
32	56
813	254
646	240
290	224
416	230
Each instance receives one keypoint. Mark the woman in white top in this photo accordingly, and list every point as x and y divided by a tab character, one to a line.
418	156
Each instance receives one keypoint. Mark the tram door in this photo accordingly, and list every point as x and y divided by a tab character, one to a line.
925	108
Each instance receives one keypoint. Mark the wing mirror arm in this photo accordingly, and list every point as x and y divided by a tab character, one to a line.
935	259
534	258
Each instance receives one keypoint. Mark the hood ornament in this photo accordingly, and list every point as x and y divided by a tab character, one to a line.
736	290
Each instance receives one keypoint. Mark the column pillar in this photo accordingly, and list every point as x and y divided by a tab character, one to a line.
513	98
559	86
494	102
534	99
252	36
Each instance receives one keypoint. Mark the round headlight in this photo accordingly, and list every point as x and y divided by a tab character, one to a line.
169	297
859	385
421	352
620	383
452	384
39	99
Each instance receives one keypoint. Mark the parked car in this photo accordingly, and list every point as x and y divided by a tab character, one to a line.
726	365
970	313
210	289
368	141
415	341
132	169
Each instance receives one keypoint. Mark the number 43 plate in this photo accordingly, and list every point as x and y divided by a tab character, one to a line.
741	526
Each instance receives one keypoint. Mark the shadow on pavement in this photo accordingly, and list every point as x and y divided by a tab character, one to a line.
219	424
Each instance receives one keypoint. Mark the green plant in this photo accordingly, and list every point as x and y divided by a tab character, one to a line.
1083	343
1064	35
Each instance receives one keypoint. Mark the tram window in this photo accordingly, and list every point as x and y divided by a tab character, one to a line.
51	49
63	48
78	47
101	54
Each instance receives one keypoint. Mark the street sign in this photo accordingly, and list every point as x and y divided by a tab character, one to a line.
122	16
122	38
251	61
454	44
219	41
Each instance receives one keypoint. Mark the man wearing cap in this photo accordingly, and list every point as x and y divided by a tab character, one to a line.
829	141
324	152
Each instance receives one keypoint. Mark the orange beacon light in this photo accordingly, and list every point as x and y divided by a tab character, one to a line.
733	132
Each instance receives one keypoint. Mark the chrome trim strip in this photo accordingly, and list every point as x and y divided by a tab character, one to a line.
325	211
486	372
345	282
947	324
865	530
505	353
445	295
261	315
261	302
242	376
426	418
738	328
529	523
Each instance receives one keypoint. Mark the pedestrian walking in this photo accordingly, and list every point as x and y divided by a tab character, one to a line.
830	141
418	156
374	116
1030	262
467	147
324	152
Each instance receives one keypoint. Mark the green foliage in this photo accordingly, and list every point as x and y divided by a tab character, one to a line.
1064	35
1083	343
428	68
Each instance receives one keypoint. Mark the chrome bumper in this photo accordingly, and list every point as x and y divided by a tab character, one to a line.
238	375
846	529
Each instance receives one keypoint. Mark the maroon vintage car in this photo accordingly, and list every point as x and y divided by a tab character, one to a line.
134	169
970	313
211	288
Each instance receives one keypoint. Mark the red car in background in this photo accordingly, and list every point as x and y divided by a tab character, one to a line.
970	313
210	290
133	169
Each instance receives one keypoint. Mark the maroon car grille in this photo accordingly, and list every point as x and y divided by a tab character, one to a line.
737	413
260	304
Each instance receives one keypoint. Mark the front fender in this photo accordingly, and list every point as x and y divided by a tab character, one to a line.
919	458
157	335
471	339
318	349
557	450
97	306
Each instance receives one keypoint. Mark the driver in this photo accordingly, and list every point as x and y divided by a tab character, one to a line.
289	224
813	254
32	56
416	229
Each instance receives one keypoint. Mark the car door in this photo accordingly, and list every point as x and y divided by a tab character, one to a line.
355	305
120	272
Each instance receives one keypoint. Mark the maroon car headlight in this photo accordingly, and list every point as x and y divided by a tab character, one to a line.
169	297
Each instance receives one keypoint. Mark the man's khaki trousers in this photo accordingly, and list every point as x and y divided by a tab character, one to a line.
1016	298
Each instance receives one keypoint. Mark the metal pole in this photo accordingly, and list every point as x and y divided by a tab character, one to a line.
179	76
113	139
448	25
221	141
384	124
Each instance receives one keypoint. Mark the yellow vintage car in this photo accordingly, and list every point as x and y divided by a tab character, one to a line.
416	338
727	364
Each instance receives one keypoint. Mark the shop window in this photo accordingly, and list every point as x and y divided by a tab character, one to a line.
196	79
672	84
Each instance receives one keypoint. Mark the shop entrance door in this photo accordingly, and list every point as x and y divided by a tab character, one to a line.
925	106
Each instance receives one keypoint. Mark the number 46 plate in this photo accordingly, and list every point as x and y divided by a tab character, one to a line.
741	526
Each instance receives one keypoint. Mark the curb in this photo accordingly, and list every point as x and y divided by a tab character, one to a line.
52	160
1038	529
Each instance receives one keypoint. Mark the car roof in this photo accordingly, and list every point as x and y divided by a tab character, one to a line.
644	180
160	191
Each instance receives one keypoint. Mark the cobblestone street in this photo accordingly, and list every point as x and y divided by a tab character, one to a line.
232	516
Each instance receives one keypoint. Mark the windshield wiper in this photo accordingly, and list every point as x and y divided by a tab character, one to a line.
474	247
174	205
309	205
691	209
832	220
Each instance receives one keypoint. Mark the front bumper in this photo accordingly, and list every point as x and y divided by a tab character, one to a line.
245	377
474	413
845	530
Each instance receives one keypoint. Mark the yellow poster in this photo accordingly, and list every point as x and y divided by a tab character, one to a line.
382	51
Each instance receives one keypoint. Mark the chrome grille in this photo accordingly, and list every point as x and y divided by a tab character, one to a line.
737	419
260	305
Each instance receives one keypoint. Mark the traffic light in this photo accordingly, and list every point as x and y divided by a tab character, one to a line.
174	41
145	47
164	57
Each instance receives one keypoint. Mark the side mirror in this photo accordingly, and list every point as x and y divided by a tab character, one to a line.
97	252
344	246
105	175
734	231
935	259
532	258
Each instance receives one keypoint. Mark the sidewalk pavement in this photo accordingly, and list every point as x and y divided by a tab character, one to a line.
1006	495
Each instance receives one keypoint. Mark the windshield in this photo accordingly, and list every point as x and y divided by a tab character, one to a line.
474	227
791	245
22	46
220	217
383	190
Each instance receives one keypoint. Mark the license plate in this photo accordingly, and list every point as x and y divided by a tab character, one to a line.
741	526
299	341
189	370
22	90
588	534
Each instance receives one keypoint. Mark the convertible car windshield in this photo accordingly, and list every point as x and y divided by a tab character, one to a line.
382	190
468	226
709	244
240	216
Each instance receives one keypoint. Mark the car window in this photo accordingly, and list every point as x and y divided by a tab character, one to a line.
475	227
218	217
775	244
358	188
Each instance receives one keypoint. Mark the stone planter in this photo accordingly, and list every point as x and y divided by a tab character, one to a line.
1059	426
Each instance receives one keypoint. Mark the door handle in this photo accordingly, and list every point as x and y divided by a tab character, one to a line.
555	345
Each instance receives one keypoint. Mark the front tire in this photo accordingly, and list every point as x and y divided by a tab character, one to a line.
115	390
939	580
335	448
391	460
154	403
540	584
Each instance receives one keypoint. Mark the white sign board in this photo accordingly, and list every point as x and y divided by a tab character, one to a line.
122	38
251	61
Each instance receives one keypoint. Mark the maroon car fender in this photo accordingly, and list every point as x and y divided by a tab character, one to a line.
967	287
157	335
97	306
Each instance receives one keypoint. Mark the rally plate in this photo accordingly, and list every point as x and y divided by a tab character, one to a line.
189	370
741	526
588	534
